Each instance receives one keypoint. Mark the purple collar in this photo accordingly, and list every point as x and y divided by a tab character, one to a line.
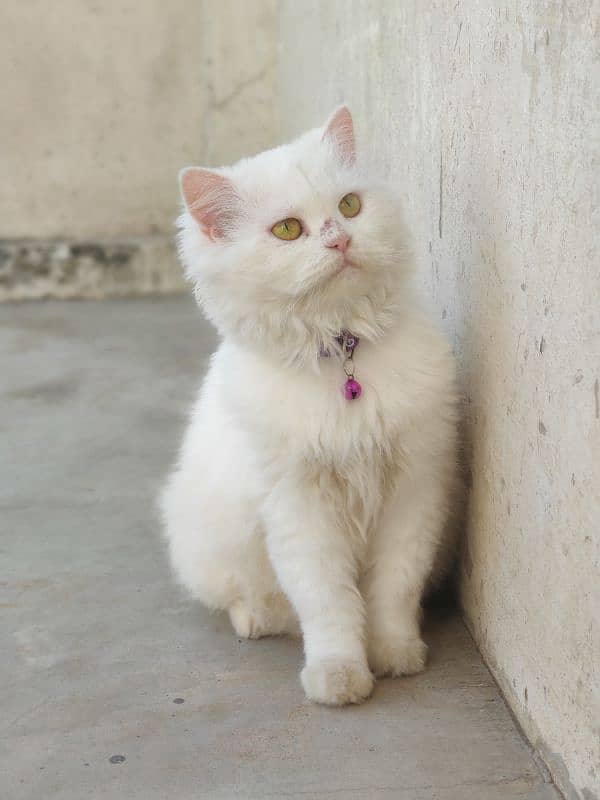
348	343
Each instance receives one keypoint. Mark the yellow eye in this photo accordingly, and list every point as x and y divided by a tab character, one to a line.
349	205
287	229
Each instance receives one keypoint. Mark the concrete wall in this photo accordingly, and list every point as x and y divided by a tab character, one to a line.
240	55
102	104
485	114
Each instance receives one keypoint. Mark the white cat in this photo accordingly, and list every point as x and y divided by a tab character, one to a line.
313	486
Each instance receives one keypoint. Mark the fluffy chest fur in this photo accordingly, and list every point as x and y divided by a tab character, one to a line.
297	422
302	414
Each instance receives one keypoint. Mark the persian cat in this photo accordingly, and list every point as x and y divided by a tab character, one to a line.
313	487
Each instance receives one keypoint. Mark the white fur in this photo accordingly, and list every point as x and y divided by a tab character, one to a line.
290	505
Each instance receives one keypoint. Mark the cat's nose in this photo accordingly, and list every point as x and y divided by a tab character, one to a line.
334	236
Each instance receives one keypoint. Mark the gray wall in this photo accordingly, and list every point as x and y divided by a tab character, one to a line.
240	59
485	115
102	104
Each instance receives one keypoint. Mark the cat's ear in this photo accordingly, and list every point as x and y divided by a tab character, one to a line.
339	130
210	198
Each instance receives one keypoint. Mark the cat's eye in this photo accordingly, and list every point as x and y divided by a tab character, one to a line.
287	229
349	205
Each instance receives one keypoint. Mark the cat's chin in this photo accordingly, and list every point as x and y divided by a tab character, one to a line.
345	267
347	270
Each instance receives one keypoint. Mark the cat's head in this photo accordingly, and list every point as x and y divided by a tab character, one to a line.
292	245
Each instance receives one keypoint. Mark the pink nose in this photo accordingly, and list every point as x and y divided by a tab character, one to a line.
334	236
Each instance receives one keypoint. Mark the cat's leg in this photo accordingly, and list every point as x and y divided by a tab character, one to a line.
218	552
315	564
213	527
401	556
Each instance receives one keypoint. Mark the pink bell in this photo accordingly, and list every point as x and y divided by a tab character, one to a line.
352	389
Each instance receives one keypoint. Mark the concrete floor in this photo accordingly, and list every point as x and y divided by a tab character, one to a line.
115	685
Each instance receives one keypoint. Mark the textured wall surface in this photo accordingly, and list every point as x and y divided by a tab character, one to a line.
485	115
102	104
239	62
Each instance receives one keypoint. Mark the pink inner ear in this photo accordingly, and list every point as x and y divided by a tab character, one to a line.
210	199
340	130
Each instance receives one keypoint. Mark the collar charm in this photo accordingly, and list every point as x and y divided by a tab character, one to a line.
348	343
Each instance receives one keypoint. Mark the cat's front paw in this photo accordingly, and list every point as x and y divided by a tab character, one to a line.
336	682
270	619
394	656
247	622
